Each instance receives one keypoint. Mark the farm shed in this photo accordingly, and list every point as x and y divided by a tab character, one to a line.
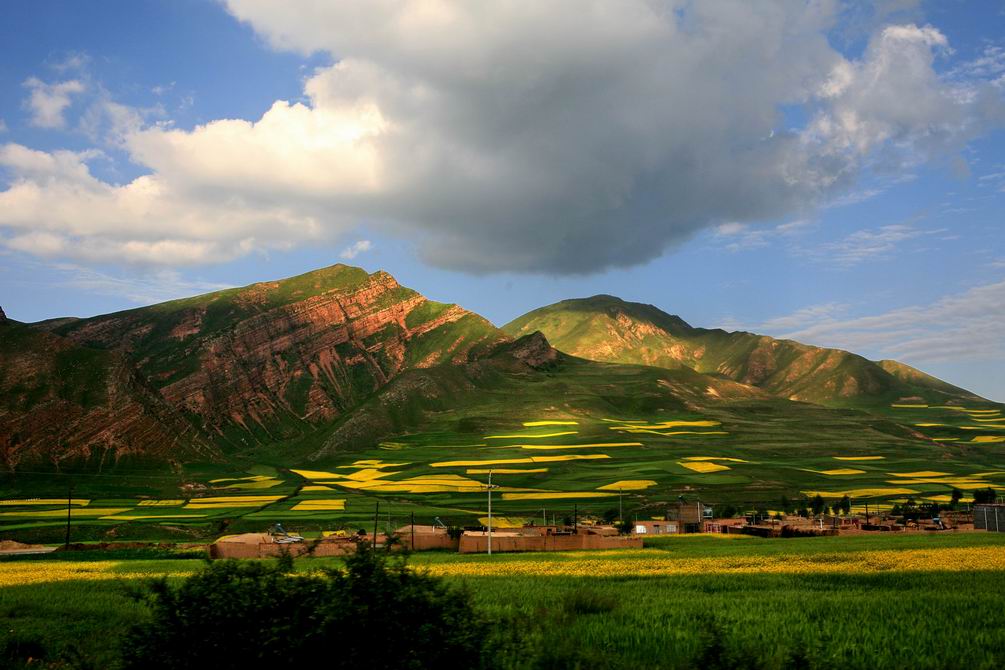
657	527
689	516
989	517
264	545
425	537
522	539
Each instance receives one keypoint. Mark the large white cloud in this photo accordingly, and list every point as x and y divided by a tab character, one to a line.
566	136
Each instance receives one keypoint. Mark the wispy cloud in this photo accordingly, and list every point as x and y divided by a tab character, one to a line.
145	289
356	249
744	237
47	102
868	244
963	326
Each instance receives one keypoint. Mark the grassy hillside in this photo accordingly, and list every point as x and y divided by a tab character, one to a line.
561	435
250	366
605	328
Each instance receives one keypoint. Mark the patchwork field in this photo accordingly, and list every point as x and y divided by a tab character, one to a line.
545	465
682	602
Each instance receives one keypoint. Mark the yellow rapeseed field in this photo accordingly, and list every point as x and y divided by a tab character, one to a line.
703	466
714	458
946	498
20	573
80	502
504	471
317	474
859	458
333	505
838	472
919	473
555	495
643	563
534	424
253	478
224	502
578	446
903	406
664	425
160	503
863	493
530	436
136	517
267	483
987	439
371	463
509	461
234	499
628	485
316	487
964	484
504	521
61	513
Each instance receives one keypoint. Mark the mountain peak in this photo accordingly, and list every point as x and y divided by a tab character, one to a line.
608	329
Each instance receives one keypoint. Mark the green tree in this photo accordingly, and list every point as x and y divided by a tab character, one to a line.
803	509
955	497
374	613
786	504
845	505
817	505
985	496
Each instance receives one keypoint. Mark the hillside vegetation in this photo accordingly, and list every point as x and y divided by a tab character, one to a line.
605	328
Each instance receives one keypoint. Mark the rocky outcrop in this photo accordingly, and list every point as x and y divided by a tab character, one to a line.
534	350
61	403
272	361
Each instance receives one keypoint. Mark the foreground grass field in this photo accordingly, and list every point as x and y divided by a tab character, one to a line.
859	602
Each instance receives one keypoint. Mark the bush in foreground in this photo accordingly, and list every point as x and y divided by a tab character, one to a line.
374	613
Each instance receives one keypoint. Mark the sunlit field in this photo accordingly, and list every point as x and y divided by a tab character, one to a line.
857	602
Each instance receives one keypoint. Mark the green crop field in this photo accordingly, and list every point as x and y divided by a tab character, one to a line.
861	602
548	463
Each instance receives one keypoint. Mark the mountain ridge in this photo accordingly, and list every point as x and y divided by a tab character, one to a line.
607	328
339	358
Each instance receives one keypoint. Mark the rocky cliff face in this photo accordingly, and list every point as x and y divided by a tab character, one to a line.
63	403
267	362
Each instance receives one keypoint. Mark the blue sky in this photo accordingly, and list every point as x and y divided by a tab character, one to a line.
842	200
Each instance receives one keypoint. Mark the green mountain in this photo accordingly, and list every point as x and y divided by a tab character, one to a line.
338	387
234	369
605	328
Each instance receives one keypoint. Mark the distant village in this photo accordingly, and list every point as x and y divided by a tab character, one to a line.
681	518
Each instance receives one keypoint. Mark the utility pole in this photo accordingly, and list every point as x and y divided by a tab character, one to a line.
376	517
621	509
69	502
544	515
490	487
575	518
413	532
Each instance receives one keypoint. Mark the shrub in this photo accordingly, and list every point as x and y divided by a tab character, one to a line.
374	613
